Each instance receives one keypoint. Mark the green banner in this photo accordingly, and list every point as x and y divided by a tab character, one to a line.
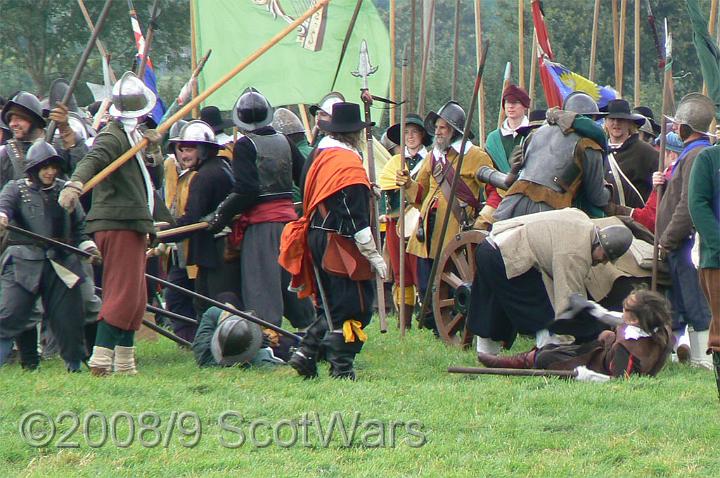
301	67
707	53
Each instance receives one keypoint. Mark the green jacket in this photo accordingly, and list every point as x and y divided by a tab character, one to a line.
704	205
120	201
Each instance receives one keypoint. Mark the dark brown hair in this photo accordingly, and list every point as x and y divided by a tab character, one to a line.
652	312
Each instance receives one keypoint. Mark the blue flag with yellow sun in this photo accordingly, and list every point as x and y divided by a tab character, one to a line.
567	81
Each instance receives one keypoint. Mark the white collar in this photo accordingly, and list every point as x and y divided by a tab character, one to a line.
633	332
422	152
328	142
506	130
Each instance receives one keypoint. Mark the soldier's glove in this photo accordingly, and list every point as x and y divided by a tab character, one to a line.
96	258
402	177
3	224
216	222
366	244
227	209
59	115
70	195
154	148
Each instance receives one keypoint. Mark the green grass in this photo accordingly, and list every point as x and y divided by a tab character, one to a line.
474	426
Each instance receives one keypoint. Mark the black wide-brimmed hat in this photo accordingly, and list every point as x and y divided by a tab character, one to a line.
211	115
620	109
393	132
536	118
345	119
648	113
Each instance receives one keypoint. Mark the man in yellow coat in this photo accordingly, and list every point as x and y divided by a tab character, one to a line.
430	191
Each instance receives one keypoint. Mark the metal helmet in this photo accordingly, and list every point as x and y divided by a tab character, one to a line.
29	104
58	89
451	112
615	241
695	110
235	341
131	98
40	152
196	131
327	102
387	143
286	122
583	104
252	110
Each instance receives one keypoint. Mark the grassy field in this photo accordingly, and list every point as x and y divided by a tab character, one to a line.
412	419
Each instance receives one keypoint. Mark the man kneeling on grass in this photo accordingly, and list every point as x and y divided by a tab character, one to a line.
640	345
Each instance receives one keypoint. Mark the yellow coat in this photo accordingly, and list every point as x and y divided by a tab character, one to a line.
474	158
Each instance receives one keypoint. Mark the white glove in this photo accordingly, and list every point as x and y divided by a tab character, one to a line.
366	244
584	374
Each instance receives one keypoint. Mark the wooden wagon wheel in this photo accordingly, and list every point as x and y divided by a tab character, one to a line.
455	274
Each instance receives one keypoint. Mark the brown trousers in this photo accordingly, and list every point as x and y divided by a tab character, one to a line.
710	283
123	281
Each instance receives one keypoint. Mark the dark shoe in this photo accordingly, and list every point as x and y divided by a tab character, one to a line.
100	372
304	365
683	353
523	360
341	356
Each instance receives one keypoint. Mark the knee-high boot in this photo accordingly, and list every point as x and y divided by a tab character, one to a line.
304	360
341	355
28	348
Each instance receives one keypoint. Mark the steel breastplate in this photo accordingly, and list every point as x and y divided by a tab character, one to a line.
548	156
274	164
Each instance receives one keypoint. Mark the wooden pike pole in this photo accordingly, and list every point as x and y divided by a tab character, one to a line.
521	43
533	69
393	59
149	34
621	45
514	372
456	42
100	46
712	23
193	57
456	180
425	57
306	122
80	65
616	34
413	33
112	167
593	42
401	218
636	72
478	58
667	80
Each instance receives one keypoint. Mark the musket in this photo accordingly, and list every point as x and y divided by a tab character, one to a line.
162	128
149	34
225	307
456	180
514	372
365	69
667	79
401	219
198	226
164	312
186	90
80	65
166	333
176	287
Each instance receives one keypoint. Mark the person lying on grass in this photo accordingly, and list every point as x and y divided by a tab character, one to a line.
640	345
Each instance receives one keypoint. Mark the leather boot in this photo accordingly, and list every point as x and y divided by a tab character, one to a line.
341	355
124	360
523	360
716	363
28	349
304	360
101	361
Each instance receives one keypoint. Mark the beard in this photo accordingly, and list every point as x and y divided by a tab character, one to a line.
441	143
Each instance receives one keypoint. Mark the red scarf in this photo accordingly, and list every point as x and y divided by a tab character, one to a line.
332	170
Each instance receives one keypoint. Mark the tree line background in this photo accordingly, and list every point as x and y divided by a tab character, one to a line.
41	40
